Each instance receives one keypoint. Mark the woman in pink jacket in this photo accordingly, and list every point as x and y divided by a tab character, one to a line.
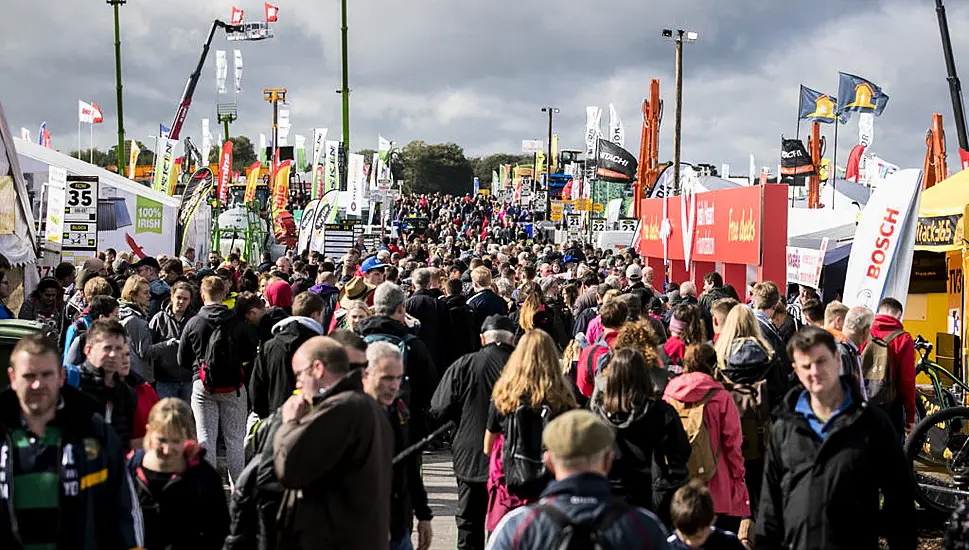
729	491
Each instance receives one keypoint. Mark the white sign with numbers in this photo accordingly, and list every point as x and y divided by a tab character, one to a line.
540	200
81	213
575	221
598	225
627	224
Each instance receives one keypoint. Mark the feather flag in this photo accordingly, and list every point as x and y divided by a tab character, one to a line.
237	54
617	134
133	159
221	71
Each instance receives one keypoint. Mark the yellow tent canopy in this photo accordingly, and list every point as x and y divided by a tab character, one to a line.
940	214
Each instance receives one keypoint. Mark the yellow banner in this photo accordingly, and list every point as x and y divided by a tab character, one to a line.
251	182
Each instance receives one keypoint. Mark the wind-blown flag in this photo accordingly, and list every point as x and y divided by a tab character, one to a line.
225	171
206	141
815	106
319	139
300	147
237	54
98	117
163	131
24	134
261	153
133	159
235	18
860	94
43	136
221	71
617	134
87	112
271	13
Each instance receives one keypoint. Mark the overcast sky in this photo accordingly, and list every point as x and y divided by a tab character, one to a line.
477	72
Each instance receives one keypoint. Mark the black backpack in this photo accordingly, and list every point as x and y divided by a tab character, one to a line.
586	535
522	451
220	368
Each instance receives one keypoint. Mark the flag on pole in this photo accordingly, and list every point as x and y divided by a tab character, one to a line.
300	152
271	12
238	70
235	18
221	71
319	139
164	164
617	134
261	153
555	153
859	94
43	136
85	112
133	160
98	117
163	131
24	134
206	141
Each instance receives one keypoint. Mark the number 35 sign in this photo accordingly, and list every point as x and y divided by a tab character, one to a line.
81	213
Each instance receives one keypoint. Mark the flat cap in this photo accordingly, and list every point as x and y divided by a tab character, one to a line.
577	433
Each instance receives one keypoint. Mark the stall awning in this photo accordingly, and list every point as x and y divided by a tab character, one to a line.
940	214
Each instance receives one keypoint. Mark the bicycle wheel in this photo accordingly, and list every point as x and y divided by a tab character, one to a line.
937	453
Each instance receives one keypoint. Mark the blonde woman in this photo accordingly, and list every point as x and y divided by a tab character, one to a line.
132	313
181	495
530	392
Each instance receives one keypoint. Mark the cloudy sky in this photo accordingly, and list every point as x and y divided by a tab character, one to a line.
477	72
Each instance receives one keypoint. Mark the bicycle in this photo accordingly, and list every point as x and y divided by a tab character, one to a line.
937	450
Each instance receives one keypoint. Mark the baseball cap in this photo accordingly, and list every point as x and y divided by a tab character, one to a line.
634	272
372	263
498	322
147	261
577	433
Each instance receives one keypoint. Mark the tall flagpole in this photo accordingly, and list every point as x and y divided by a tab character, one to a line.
79	136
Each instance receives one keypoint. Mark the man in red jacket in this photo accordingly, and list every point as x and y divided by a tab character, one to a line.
902	353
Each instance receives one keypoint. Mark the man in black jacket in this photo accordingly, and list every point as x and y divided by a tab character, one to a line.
431	312
832	462
485	302
273	380
57	449
101	378
463	396
461	322
420	373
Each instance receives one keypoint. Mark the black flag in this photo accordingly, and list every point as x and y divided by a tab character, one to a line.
615	163
795	160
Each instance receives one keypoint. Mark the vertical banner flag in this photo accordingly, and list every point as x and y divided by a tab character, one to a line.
173	178
300	147
555	153
319	139
56	196
235	17
752	170
617	134
502	176
24	134
43	136
306	226
818	107
164	160
332	174
881	254
859	94
238	70
261	153
494	181
271	13
133	159
280	197
225	171
383	147
163	131
221	71
355	183
283	131
252	180
206	141
592	116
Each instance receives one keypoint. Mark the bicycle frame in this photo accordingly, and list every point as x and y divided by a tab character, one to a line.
933	371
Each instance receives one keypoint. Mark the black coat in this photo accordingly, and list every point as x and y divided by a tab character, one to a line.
463	337
433	315
463	396
420	373
164	326
484	304
825	494
273	380
190	511
651	455
408	496
198	330
122	397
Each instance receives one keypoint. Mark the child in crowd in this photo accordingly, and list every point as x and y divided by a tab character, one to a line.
693	518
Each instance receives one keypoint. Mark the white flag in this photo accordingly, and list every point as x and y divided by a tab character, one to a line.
753	171
24	134
283	131
617	134
261	153
881	253
592	116
221	71
355	183
85	112
238	71
206	141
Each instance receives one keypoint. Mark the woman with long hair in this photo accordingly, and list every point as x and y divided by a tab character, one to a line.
722	422
640	336
132	313
45	304
531	312
686	329
652	450
529	394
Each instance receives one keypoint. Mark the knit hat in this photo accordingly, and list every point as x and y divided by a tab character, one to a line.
576	434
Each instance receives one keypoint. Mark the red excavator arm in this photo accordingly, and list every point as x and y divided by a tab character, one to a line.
935	169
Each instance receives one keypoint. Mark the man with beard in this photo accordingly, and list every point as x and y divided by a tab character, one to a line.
60	459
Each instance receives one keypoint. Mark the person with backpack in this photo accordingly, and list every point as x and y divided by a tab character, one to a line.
686	329
464	396
388	324
181	494
756	380
77	324
578	509
212	346
326	287
272	381
530	392
888	367
652	450
101	307
835	476
595	356
712	424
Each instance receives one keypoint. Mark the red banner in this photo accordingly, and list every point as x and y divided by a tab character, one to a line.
727	226
225	171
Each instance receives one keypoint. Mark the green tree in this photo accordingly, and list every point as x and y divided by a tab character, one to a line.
484	166
243	153
434	168
100	158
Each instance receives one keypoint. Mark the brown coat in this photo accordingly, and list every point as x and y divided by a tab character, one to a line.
340	458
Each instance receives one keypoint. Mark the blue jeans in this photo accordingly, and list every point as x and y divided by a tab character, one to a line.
403	543
181	390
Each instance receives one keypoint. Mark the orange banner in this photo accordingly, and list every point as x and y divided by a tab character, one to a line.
281	188
251	182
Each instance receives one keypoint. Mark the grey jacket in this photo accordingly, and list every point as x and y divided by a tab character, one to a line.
165	327
142	350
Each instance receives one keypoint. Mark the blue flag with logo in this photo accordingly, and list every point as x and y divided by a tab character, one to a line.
818	107
163	131
860	94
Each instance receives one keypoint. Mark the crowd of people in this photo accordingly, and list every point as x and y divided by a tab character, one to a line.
582	398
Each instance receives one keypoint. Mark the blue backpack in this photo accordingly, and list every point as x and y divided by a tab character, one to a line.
402	345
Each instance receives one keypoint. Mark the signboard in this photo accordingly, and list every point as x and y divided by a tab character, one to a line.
574	222
804	264
532	146
583	205
598	225
81	214
338	238
627	224
598	207
556	215
540	200
938	233
954	288
56	197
